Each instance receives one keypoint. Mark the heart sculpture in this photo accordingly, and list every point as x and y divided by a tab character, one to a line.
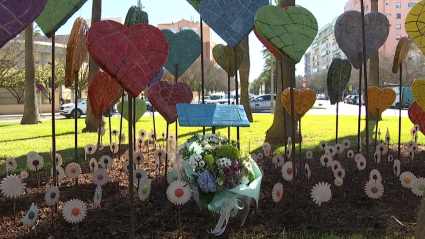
141	108
135	15
132	56
56	13
158	76
103	93
303	101
225	57
414	25
379	100
401	51
348	34
16	16
76	51
339	74
165	97
418	91
291	31
195	4
185	47
417	116
232	20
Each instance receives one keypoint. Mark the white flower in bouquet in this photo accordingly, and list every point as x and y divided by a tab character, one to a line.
244	180
247	165
193	164
204	142
208	147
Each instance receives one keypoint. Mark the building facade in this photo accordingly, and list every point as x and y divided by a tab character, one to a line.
396	12
207	45
323	49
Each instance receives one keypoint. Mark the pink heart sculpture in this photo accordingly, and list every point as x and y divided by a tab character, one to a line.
16	15
165	97
417	116
132	56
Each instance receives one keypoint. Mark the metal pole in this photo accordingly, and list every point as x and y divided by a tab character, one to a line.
399	112
360	106
76	118
202	68
237	93
272	86
130	169
53	114
228	101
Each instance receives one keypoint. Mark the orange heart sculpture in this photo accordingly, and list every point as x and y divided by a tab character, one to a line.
303	101
103	93
380	100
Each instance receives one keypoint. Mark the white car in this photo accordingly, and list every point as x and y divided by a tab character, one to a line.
68	110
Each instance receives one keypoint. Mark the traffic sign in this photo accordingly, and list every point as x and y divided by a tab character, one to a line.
40	87
304	79
304	85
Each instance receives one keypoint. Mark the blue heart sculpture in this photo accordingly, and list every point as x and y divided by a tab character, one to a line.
158	76
232	20
185	47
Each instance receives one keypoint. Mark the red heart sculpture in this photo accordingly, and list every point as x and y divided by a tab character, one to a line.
103	93
133	56
165	97
417	116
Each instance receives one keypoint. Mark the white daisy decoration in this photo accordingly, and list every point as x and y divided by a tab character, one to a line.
74	211
145	189
12	186
338	181
122	138
277	192
100	177
32	154
289	141
382	148
340	173
377	156
330	150
35	162
410	144
179	192
93	165
278	161
390	158
335	165
152	136
174	175
407	179
396	167
102	131
370	141
413	132
307	170
339	148
115	132
266	149
139	175
60	173
321	193
171	139
160	154
346	143
52	195
359	157
260	156
309	154
106	161
73	170
287	171
350	154
125	166
142	133
361	163
31	216
11	164
326	160
114	148
59	160
323	145
288	153
100	146
254	157
90	149
138	158
374	189
418	187
387	137
97	196
23	174
411	154
375	175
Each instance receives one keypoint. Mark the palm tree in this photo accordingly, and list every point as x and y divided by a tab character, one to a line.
31	115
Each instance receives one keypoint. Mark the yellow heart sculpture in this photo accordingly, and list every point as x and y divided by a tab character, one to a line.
418	91
380	100
303	101
415	23
401	51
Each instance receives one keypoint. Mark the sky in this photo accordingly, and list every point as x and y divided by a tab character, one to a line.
167	11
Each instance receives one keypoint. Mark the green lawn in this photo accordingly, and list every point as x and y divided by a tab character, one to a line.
17	140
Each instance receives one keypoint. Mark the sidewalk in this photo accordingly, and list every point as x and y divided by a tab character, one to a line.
20	116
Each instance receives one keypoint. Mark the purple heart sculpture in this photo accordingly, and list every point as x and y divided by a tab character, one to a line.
16	15
157	77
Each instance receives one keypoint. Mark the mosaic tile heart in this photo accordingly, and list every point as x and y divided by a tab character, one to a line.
348	34
380	100
339	74
103	93
185	47
132	56
232	20
56	13
418	91
158	76
15	17
303	101
135	15
417	116
165	97
225	57
290	31
415	25
195	4
403	47
141	108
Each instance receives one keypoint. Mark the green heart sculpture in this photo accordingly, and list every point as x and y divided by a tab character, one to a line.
338	76
290	31
225	57
135	15
195	4
140	108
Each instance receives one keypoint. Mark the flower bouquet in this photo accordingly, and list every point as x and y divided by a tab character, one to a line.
222	180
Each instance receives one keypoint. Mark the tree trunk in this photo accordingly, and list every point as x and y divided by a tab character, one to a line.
31	115
244	74
275	134
420	224
91	122
374	63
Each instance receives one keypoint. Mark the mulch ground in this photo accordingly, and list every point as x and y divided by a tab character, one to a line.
348	212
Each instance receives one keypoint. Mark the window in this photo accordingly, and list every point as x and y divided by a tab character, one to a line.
324	67
388	14
323	46
398	5
335	47
367	8
388	4
398	16
314	44
324	53
398	26
411	4
398	37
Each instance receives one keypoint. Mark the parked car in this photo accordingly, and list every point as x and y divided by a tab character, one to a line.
347	98
215	98
68	110
320	97
261	102
353	99
406	97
